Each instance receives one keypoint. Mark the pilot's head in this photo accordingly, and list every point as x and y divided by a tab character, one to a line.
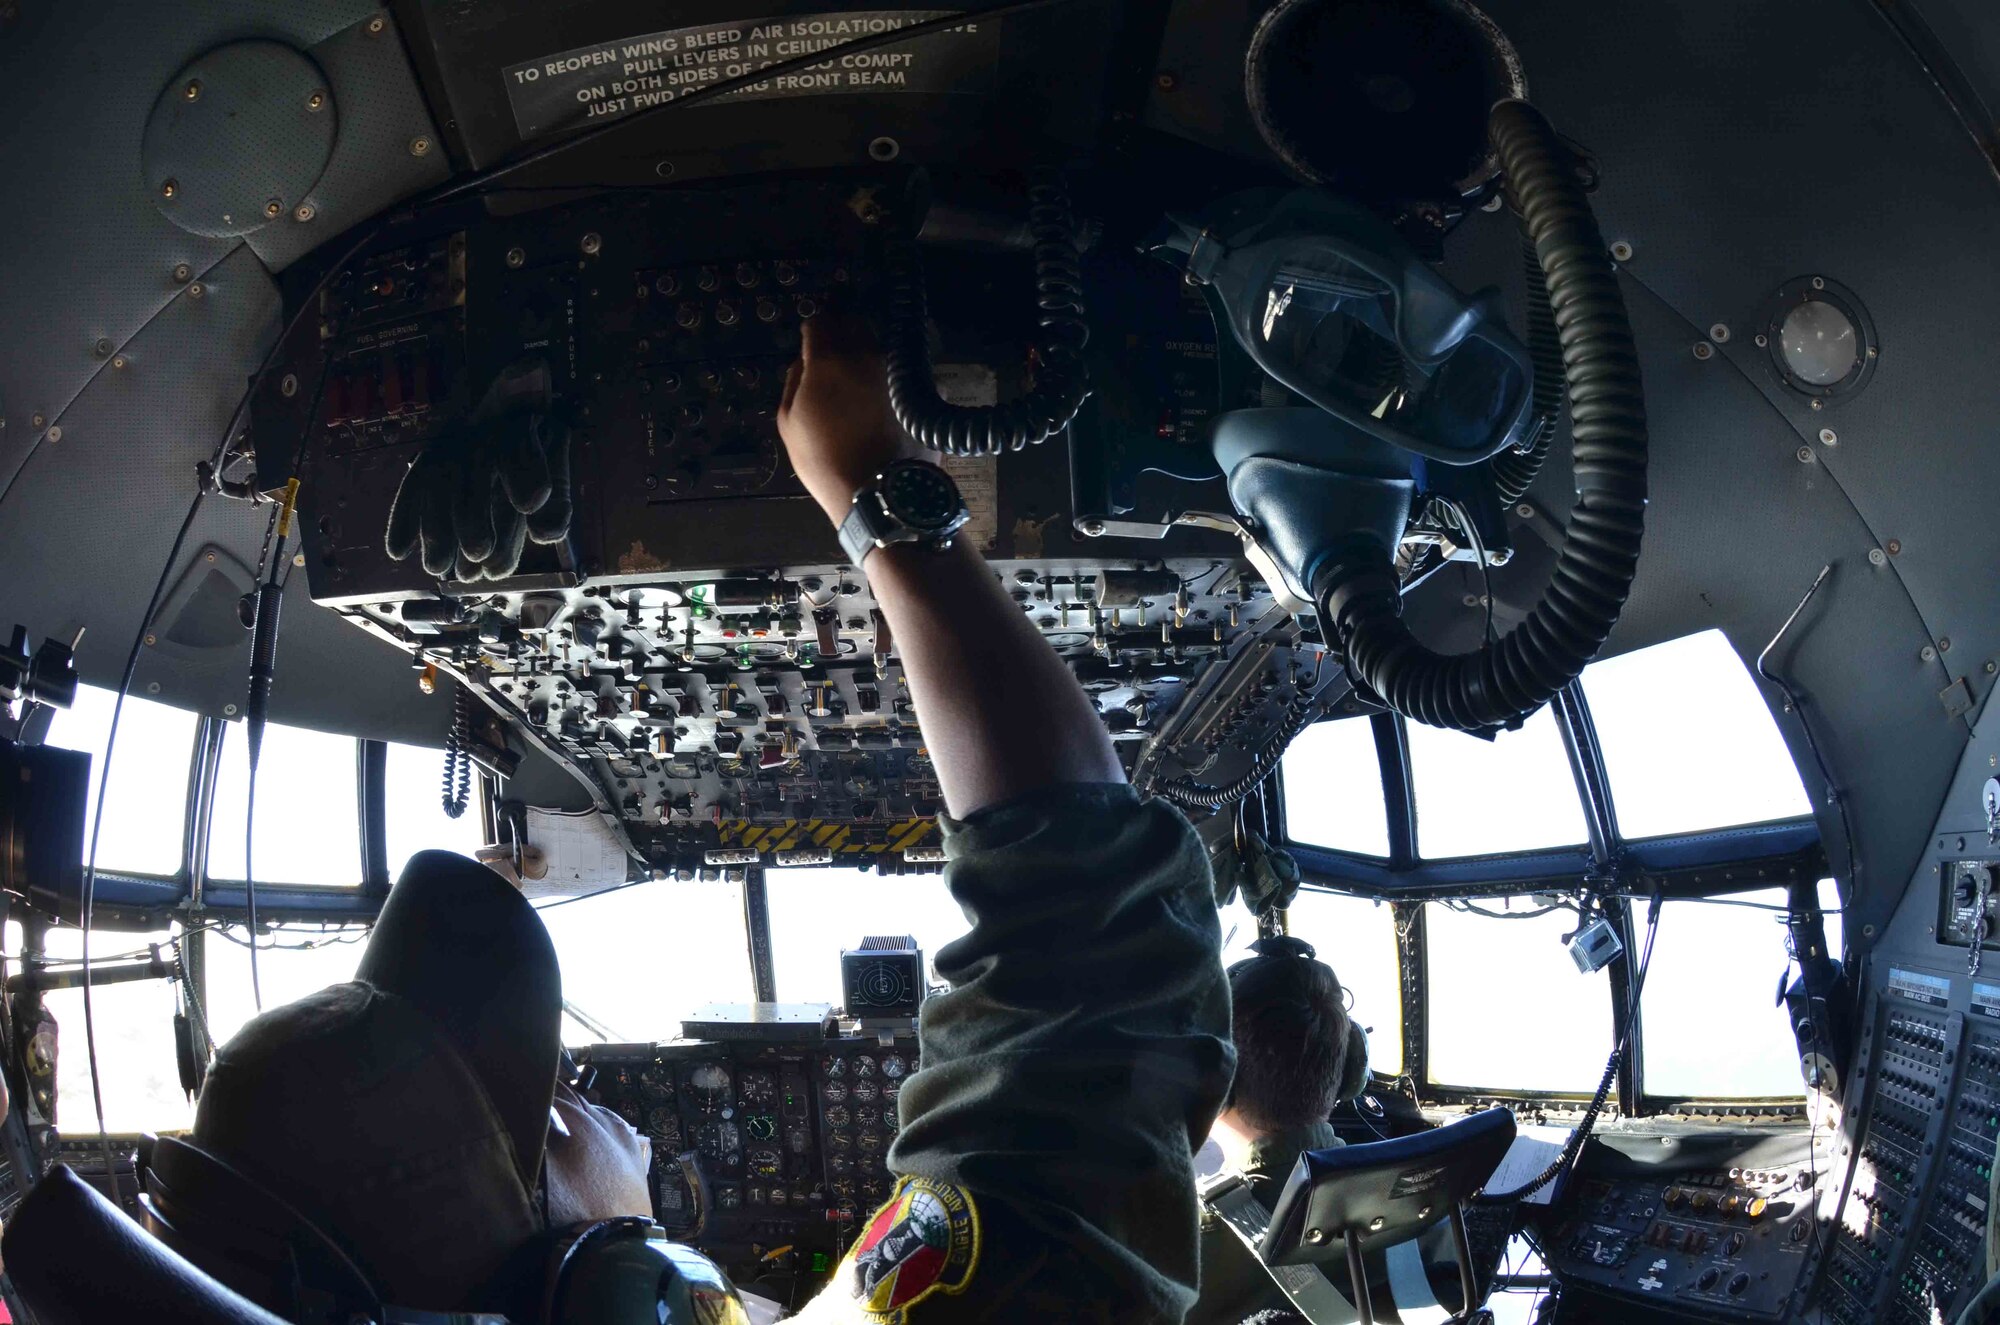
400	1139
1297	1051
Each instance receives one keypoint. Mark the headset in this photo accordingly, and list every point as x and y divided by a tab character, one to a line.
1277	948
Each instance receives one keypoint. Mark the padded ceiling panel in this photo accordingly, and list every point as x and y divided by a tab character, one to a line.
87	260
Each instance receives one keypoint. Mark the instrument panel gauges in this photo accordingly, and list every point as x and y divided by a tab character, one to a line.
837	1117
664	1123
866	1090
894	1068
833	1092
798	1140
864	1066
728	1196
766	1163
656	1083
778	1196
840	1162
719	1141
710	1083
761	1126
833	1067
867	1116
757	1089
871	1142
890	1119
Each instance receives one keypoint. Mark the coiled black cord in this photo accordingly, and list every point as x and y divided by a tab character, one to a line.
458	763
1514	471
1192	795
1501	682
1062	379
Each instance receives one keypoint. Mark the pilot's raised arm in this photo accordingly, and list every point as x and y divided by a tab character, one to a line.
1044	1164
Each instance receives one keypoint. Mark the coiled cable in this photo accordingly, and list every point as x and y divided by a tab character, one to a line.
457	762
1062	378
1359	599
1192	795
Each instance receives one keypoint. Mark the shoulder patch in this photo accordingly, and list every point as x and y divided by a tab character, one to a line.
924	1240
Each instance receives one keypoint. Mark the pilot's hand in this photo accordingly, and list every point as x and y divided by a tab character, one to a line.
476	496
835	415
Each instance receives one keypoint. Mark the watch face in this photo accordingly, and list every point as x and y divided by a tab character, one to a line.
920	495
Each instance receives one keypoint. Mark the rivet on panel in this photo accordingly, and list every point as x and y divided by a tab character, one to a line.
1817	403
1819	282
37	420
289	387
1927	653
303	212
1944	644
375	26
316	101
152	687
118	361
1828	437
1876	556
419	146
298	558
1719	333
515	257
103	346
1621	250
182	273
228	710
193	90
272	208
1703	350
150	639
197	290
210	557
167	188
1762	340
1805	455
55	433
593	243
1895	546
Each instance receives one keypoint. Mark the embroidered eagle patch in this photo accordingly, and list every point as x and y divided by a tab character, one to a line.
925	1240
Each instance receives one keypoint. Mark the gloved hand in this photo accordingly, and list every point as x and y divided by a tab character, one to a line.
478	493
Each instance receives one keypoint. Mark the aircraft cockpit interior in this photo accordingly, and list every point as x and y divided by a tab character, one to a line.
1509	476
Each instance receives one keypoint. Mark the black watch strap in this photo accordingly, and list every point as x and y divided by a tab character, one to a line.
857	533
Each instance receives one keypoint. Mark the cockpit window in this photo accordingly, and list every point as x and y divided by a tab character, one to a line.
135	1034
143	819
291	963
1712	1025
1481	798
414	809
1688	741
1507	1008
1333	789
1357	938
815	913
308	808
636	960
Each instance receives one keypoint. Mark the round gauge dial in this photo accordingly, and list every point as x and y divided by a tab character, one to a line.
866	1090
833	1067
662	1122
761	1126
867	1116
893	1067
840	1163
657	1083
728	1195
717	1140
872	1141
833	1092
889	1118
756	1088
766	1163
839	1140
891	1089
779	1196
837	1117
864	1066
842	1188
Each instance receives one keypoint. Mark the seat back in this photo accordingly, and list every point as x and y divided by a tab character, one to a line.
76	1259
1383	1192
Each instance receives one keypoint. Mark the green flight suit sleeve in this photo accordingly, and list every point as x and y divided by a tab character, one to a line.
1045	1163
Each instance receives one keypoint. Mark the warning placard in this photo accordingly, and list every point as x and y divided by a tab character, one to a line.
615	78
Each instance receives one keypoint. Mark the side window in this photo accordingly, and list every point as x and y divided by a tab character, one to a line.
291	963
144	816
135	1037
1485	798
308	808
413	794
1688	741
638	959
1333	789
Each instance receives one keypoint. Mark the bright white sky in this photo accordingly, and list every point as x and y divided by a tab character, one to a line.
1687	742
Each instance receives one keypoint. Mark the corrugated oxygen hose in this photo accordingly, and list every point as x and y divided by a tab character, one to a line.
1516	675
1514	471
1062	378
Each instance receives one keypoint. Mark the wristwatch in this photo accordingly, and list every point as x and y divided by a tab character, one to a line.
908	502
